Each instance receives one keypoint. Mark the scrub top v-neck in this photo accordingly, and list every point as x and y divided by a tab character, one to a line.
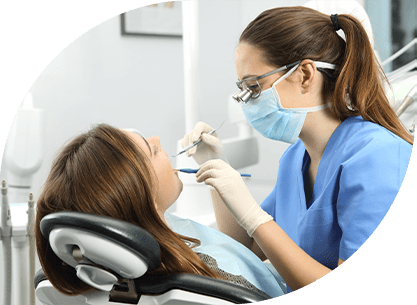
358	178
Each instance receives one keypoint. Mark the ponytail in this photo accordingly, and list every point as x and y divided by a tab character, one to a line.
288	34
359	89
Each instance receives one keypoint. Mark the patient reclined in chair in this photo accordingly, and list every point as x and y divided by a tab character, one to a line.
90	234
108	172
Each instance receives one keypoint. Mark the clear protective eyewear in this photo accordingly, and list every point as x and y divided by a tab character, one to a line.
250	88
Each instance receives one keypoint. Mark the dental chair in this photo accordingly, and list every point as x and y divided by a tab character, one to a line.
113	256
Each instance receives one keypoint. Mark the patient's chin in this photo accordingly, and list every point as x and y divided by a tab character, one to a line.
181	188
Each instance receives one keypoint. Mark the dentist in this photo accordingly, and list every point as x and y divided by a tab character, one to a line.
301	83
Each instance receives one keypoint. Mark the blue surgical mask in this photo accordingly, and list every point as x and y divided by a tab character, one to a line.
267	116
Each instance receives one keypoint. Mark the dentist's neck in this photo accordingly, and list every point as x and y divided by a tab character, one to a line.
317	130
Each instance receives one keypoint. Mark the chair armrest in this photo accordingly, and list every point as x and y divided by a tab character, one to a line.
154	285
150	284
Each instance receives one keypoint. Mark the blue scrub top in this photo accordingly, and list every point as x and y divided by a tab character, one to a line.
358	178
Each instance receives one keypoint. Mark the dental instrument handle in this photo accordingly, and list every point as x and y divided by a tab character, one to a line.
408	100
194	144
6	232
5	211
193	171
198	141
404	105
32	246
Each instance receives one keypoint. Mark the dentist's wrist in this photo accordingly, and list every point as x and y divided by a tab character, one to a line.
254	218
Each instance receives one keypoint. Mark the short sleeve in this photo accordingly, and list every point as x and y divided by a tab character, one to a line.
369	183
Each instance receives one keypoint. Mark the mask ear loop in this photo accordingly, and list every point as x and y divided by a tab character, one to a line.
274	90
285	75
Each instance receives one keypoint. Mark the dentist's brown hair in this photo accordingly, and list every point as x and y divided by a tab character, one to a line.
104	172
288	34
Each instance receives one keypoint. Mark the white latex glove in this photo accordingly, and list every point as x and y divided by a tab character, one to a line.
234	193
210	147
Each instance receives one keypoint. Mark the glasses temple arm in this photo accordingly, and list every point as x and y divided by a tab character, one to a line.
269	73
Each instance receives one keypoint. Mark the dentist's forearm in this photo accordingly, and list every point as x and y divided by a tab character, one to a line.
296	267
226	223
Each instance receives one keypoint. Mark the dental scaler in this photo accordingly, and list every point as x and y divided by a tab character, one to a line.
196	143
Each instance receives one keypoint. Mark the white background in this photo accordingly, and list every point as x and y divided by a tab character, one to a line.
137	82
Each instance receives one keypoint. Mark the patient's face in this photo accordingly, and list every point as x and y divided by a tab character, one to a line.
169	185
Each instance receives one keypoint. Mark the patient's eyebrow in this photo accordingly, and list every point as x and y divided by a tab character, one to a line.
150	150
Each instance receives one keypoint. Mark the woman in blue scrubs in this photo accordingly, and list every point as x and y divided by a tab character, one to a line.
301	83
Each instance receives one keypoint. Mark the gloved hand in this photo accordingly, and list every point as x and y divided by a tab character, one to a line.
210	147
234	193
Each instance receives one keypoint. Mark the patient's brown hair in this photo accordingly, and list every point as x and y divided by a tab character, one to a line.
104	172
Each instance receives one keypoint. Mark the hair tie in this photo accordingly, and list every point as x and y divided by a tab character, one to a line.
333	18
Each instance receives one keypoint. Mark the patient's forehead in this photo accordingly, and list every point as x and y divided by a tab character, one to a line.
135	137
138	140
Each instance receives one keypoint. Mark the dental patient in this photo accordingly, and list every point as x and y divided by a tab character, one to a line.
112	172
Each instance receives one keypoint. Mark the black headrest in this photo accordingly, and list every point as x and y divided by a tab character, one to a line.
120	232
39	277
